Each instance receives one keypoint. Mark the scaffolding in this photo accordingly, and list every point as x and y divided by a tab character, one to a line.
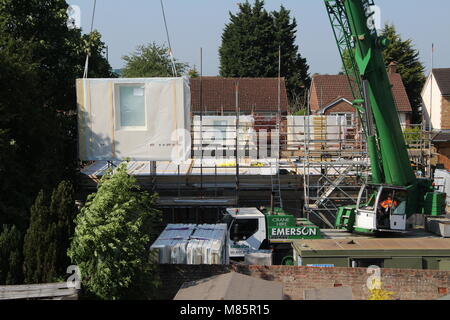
335	166
308	165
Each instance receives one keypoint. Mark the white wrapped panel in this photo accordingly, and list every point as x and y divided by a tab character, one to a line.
314	128
192	244
220	131
145	119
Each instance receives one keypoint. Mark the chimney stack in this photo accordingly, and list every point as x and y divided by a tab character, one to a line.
392	68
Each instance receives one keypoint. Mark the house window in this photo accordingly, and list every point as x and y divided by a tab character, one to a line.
349	118
131	106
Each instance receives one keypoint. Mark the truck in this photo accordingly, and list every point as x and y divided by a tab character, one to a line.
251	229
243	231
394	193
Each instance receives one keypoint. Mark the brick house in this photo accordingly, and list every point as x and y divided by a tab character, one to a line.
256	96
257	99
332	95
441	144
436	98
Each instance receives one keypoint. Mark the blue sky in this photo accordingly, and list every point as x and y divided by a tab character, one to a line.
199	23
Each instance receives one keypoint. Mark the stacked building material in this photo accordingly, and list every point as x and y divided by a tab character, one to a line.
192	244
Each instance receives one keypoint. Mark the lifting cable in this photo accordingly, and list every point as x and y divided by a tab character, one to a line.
86	65
174	70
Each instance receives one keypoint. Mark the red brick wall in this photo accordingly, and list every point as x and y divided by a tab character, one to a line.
341	107
314	101
445	113
443	150
407	284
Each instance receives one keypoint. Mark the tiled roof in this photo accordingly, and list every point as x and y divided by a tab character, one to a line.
443	79
255	94
330	88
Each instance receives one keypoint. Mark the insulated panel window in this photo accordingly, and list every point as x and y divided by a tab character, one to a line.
132	106
220	126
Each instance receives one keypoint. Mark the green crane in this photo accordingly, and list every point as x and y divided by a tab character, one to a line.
395	193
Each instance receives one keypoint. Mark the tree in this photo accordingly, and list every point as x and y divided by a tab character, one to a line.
48	236
58	50
10	255
35	245
40	58
112	238
293	66
21	125
193	73
63	211
151	60
251	45
409	66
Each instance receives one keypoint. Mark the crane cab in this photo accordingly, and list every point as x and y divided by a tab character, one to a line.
381	208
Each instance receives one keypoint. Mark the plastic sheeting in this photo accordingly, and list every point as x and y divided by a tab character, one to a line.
219	132
192	244
146	119
309	128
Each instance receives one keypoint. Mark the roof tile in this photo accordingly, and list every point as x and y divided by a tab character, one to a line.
443	79
255	94
330	88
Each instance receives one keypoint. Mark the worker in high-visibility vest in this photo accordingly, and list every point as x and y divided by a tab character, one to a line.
383	213
388	203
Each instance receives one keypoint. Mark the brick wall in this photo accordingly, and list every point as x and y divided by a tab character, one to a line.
341	107
443	151
445	113
407	284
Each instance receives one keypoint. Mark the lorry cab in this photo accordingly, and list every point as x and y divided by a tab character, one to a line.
381	208
246	230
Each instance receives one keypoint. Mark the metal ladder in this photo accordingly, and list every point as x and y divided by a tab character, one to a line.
276	187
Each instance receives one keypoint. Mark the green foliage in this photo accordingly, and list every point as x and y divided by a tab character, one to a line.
251	43
413	135
193	73
409	66
35	243
48	236
301	112
151	60
40	58
112	238
63	211
10	255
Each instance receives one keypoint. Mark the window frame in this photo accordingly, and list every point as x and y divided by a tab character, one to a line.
117	106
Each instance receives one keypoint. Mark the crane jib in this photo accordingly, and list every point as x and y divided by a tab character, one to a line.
355	18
